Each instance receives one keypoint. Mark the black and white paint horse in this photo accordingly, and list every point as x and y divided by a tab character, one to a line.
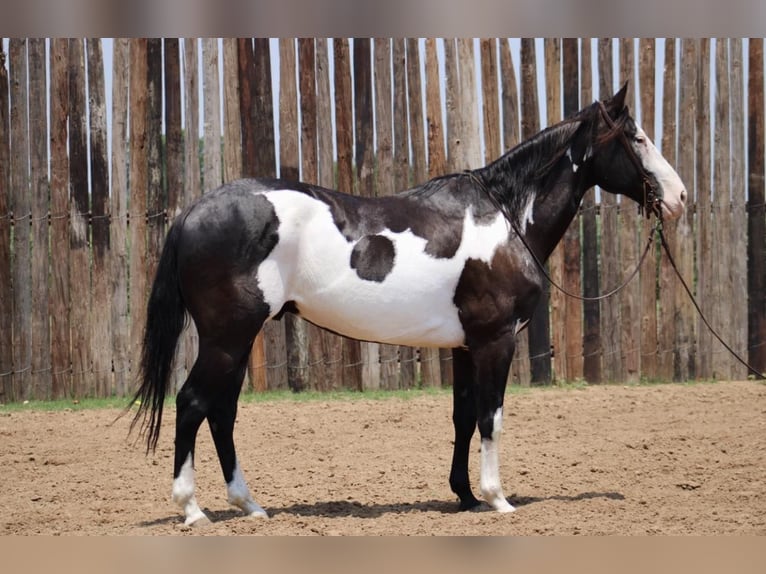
441	265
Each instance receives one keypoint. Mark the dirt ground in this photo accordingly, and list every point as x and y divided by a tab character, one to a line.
665	459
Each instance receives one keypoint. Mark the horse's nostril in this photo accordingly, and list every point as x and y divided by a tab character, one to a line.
683	196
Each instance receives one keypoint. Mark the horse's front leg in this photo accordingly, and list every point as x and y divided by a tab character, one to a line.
491	364
464	420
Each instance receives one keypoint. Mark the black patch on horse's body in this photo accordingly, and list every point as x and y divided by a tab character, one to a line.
227	234
491	297
373	257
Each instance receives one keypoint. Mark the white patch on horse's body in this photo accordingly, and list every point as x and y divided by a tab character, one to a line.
183	493
491	489
574	164
674	191
413	305
528	217
239	494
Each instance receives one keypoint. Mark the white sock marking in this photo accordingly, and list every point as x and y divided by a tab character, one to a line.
183	493
491	489
239	495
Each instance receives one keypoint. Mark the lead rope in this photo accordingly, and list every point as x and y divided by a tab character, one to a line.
665	246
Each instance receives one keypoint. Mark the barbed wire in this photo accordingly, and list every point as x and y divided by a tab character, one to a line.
416	358
88	216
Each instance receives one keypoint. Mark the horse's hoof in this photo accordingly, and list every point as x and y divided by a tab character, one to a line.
502	506
469	505
198	522
260	514
505	508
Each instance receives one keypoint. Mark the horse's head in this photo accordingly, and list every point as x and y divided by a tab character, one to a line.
628	163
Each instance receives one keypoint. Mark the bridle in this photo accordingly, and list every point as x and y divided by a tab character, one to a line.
652	197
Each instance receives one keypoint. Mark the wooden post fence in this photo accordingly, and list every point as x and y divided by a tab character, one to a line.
82	227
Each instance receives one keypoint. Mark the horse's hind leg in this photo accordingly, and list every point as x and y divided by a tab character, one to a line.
192	403
211	392
221	420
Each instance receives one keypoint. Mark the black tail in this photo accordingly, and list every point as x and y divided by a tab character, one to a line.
165	318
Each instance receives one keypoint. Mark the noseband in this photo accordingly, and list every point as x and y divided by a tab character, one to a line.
652	197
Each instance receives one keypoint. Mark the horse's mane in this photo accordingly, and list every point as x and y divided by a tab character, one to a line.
510	177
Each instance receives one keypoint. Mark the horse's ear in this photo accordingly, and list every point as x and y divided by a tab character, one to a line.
617	101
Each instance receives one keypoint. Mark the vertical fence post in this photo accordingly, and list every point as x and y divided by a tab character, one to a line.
610	308
289	168
365	168
101	335
174	164
316	376
720	260
138	182
703	224
557	305
21	206
79	229
737	238
269	346
629	298
384	180
437	164
263	109
119	221
756	221
430	372
648	272
192	188
401	178
6	269
59	226
685	341
539	325
519	373
344	137
38	164
667	310
591	343
573	309
332	343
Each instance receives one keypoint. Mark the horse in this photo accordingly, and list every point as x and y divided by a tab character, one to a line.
451	263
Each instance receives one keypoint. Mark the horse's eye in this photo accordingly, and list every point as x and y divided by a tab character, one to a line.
639	139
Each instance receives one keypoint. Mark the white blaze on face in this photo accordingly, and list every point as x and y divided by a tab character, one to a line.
672	188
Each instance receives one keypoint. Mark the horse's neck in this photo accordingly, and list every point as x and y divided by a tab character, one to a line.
556	202
544	207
